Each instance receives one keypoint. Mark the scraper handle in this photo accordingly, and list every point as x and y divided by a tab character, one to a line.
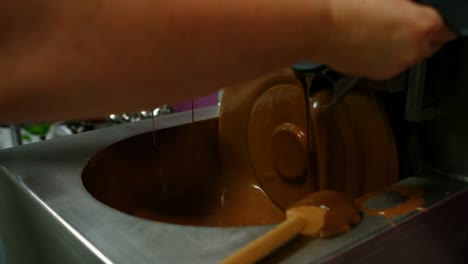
264	245
304	219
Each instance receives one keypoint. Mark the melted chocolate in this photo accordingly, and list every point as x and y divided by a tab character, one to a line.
414	201
277	140
177	182
154	129
350	143
342	212
201	173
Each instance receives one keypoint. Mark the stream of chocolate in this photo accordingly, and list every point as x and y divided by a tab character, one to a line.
154	129
193	112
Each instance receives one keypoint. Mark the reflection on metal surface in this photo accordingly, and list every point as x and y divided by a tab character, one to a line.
72	230
141	115
16	135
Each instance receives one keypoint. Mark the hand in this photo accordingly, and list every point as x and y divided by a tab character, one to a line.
381	38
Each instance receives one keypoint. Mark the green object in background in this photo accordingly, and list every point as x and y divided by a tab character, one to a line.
38	130
34	133
26	138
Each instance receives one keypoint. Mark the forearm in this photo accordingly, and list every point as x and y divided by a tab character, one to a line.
84	60
231	41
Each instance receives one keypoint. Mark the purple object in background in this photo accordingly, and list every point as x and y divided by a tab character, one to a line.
205	101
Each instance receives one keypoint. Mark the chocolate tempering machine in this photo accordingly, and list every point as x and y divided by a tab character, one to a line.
204	189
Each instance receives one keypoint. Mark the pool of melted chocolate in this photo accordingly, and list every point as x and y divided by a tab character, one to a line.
178	180
405	199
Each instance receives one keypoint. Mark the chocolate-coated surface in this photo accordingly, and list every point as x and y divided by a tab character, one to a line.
354	146
414	200
351	146
342	211
277	139
233	135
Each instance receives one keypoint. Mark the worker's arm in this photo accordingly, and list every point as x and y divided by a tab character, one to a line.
76	59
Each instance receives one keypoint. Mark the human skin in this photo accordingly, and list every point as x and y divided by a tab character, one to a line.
63	59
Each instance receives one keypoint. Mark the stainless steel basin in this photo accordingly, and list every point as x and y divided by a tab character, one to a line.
47	216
